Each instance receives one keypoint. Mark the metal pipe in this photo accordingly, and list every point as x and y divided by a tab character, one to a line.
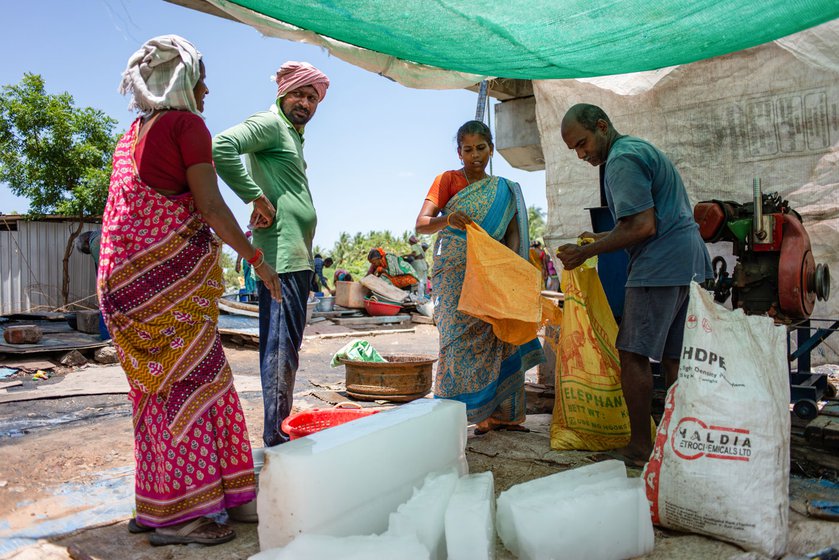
759	232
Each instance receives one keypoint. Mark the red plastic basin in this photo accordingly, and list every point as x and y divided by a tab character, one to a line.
379	308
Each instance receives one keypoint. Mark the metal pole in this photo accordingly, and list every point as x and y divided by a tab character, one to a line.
482	101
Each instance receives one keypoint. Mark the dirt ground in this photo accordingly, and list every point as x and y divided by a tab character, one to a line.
66	467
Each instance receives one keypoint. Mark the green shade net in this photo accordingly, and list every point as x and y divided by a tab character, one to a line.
544	39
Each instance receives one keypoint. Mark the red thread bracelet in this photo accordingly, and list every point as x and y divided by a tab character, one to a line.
253	260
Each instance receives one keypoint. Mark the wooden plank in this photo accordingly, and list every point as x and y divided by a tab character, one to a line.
27	363
99	381
8	384
372	320
809	455
814	432
421	319
358	333
336	313
79	342
239	308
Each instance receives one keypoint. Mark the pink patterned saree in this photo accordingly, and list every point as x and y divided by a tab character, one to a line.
159	283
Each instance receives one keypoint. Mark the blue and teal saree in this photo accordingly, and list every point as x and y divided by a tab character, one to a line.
475	367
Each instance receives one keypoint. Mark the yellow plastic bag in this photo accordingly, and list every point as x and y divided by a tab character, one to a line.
500	288
589	409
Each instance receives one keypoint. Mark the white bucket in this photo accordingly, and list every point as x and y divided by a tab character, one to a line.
246	513
310	308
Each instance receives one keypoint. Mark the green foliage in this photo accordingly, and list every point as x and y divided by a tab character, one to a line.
350	252
53	153
535	223
227	262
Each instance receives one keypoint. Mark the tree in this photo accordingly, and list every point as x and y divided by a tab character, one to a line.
55	154
535	222
350	252
227	262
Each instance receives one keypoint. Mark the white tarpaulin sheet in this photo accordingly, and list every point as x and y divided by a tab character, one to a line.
770	112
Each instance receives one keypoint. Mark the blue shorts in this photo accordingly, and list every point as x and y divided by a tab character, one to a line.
654	321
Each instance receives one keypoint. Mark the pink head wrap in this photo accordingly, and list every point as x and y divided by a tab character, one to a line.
293	75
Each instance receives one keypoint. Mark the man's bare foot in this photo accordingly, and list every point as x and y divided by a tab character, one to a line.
632	457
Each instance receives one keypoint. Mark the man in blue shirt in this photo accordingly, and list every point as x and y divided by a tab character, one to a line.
655	225
319	280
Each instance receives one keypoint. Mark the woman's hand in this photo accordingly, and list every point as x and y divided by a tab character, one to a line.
263	213
269	277
458	220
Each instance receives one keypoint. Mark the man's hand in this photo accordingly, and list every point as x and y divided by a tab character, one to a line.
263	213
592	236
571	255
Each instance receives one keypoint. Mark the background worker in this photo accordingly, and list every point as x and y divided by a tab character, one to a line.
654	223
319	282
419	263
272	143
392	268
246	269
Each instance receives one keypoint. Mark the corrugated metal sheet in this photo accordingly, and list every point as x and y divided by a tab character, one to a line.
31	267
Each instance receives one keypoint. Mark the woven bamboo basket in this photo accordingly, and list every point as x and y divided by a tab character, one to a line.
402	378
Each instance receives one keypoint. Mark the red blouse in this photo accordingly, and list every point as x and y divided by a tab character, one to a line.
174	143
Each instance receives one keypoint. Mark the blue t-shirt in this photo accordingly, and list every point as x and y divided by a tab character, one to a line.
638	176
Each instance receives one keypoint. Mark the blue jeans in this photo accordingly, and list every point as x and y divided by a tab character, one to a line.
280	336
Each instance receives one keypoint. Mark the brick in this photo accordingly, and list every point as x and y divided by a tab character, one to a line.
23	334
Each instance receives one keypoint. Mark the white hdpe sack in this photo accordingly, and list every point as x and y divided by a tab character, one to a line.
721	461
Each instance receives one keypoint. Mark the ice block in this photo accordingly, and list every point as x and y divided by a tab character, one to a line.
321	547
607	520
556	485
423	515
347	480
470	518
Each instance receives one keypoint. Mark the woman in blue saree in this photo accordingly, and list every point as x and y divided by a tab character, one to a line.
475	367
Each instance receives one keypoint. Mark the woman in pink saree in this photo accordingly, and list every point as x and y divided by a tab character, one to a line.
159	283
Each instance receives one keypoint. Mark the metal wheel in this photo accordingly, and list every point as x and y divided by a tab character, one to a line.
805	409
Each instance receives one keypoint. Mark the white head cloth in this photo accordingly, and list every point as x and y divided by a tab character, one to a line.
162	75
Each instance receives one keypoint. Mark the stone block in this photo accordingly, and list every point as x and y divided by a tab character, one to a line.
87	321
106	355
23	334
74	358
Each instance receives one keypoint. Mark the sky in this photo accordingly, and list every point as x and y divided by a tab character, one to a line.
372	149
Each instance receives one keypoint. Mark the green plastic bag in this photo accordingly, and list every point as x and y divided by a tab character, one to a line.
357	350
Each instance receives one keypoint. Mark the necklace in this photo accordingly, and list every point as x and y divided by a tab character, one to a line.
470	181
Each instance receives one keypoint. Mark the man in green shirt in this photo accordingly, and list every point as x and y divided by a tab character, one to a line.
273	178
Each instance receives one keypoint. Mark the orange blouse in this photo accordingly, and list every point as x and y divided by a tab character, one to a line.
445	186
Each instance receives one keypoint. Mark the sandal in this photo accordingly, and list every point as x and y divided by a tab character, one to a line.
134	527
193	532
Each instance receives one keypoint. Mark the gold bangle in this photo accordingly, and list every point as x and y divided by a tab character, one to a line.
449	220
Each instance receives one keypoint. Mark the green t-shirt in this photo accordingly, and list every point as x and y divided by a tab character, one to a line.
274	166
